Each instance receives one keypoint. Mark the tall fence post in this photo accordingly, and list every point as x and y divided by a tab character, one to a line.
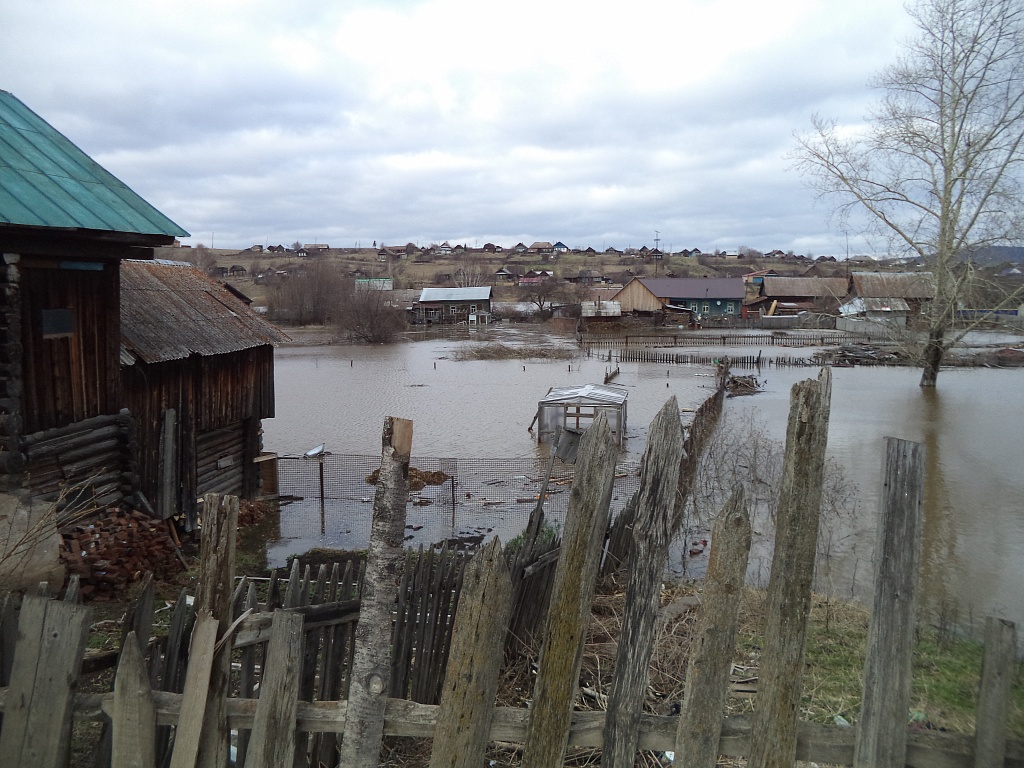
47	658
471	682
133	720
707	678
882	731
273	731
216	585
776	710
653	530
997	669
547	733
371	664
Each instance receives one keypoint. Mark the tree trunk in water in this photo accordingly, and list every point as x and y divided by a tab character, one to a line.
933	354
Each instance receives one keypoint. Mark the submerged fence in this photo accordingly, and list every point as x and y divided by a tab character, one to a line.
464	500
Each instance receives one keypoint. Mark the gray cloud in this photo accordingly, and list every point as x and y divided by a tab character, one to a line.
432	120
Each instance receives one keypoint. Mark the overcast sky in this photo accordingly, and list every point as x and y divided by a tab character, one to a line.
593	123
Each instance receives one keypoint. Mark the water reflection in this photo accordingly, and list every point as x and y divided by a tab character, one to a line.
939	545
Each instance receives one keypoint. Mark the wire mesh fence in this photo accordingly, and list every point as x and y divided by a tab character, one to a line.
327	501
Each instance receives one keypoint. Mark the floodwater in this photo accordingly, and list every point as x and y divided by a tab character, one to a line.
972	427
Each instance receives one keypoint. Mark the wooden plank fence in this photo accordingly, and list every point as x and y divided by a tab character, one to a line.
705	339
292	647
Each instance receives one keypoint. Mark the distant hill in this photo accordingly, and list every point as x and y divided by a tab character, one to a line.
999	254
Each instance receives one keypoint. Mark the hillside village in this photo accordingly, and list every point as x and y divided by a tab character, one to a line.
687	286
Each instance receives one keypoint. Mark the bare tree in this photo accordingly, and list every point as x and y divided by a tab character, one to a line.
310	296
471	272
937	168
544	293
203	258
368	314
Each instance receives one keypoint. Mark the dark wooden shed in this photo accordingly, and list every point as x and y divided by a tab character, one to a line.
197	373
65	225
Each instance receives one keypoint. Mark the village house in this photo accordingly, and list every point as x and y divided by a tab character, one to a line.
65	225
536	276
892	298
793	295
73	431
703	298
506	275
453	305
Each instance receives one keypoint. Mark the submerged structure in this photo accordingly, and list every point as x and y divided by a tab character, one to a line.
575	408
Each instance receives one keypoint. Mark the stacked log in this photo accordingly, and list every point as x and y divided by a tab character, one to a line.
113	551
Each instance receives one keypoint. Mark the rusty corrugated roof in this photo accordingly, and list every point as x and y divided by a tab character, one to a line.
171	310
888	285
46	181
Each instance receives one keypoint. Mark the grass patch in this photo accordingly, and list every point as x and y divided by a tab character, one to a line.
946	669
506	352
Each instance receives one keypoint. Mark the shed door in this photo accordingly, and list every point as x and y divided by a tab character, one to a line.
219	460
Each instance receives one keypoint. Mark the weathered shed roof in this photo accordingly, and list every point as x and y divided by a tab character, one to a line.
860	306
820	287
46	181
456	294
171	310
884	285
586	394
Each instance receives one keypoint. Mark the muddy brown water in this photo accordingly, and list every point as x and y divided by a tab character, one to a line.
972	426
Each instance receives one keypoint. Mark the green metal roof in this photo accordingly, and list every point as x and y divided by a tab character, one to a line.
46	181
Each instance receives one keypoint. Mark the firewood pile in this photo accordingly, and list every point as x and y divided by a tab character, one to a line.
113	551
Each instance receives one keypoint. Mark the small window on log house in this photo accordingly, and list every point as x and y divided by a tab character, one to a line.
58	323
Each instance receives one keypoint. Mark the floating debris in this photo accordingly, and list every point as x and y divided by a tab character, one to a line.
418	478
743	385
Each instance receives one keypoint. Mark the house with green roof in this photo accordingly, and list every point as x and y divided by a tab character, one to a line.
65	226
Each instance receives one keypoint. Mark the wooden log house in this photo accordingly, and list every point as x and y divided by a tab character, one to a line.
121	377
197	374
65	225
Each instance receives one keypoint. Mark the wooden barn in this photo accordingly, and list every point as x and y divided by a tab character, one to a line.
65	226
197	374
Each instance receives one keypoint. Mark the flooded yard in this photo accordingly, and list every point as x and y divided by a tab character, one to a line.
971	428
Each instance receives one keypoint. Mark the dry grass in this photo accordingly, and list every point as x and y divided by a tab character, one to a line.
506	352
832	681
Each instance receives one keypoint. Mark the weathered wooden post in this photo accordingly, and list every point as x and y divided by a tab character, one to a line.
189	732
216	585
572	593
776	710
371	665
994	701
471	682
707	678
654	527
882	731
133	719
273	730
47	658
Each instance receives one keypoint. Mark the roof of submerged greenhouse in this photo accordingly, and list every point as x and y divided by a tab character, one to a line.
586	393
